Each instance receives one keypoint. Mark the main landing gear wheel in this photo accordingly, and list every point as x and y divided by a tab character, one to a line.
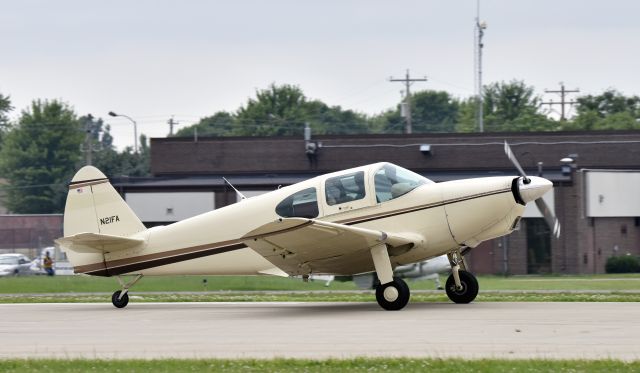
394	295
122	302
468	290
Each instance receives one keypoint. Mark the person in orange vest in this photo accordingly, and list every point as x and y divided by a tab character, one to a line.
47	264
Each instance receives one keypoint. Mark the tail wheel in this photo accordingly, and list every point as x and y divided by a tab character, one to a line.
122	302
468	291
394	295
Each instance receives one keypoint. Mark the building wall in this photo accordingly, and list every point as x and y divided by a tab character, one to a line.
174	156
29	233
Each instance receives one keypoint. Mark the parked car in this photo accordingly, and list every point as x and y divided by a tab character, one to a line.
15	264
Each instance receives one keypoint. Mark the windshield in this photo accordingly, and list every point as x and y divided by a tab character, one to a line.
392	182
8	261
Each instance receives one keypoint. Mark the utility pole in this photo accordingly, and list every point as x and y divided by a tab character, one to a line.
479	34
172	123
87	148
563	93
407	98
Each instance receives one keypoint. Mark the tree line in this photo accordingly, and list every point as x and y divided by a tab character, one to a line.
41	150
507	107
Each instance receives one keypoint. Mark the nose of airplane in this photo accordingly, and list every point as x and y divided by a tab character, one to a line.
533	190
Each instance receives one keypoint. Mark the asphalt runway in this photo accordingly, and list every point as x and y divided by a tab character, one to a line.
320	330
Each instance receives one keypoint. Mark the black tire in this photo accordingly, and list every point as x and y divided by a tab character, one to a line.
469	289
122	302
403	295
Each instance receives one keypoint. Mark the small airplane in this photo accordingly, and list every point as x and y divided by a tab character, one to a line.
429	269
371	218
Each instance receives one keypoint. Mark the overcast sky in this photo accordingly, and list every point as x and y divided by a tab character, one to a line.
154	59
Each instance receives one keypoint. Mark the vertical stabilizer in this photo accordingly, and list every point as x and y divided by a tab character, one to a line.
94	206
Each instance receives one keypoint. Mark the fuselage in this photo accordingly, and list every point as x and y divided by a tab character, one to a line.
438	217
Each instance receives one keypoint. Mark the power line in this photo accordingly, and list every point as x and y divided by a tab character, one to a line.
407	97
563	93
172	123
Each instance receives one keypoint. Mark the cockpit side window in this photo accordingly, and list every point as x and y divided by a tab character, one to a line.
345	188
302	204
393	181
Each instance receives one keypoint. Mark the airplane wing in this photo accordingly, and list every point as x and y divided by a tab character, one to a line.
299	246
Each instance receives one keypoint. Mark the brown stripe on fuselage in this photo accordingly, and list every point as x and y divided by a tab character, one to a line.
138	266
177	255
126	265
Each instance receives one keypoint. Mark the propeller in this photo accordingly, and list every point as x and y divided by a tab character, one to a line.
549	217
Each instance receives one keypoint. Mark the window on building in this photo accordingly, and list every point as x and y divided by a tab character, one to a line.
302	204
345	188
392	182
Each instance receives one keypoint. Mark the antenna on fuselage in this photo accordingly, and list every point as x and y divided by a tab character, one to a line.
242	196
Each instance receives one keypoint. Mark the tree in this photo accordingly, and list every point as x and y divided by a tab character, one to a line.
39	157
276	111
608	103
325	119
431	111
434	111
513	106
280	111
467	116
5	108
219	124
132	164
608	111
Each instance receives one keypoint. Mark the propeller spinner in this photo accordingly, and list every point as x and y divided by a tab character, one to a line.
532	189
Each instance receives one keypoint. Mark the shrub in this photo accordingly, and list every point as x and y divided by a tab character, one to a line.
622	264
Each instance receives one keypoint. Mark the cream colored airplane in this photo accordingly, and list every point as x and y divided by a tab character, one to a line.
370	218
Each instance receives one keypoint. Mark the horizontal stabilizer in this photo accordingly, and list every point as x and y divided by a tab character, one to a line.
97	243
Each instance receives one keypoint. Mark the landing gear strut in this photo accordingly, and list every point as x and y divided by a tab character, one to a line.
392	293
461	286
120	298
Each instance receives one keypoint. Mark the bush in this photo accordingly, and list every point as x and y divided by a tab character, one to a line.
622	264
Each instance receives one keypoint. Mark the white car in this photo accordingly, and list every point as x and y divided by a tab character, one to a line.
14	264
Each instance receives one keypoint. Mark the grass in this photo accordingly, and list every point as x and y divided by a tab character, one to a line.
321	297
311	366
63	289
87	284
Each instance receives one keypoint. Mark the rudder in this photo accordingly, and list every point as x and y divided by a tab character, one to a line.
94	206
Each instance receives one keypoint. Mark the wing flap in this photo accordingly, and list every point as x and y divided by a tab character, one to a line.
299	245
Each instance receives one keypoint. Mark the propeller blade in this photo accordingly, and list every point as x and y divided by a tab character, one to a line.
549	217
514	160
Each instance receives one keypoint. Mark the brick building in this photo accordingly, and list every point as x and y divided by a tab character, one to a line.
596	195
29	233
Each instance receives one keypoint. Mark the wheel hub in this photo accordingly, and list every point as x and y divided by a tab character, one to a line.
390	294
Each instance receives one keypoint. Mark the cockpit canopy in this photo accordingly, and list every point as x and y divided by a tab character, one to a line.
392	182
353	187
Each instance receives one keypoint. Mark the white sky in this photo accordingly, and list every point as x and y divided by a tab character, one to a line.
153	59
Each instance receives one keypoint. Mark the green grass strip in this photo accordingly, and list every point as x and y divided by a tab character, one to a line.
65	284
321	297
329	365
